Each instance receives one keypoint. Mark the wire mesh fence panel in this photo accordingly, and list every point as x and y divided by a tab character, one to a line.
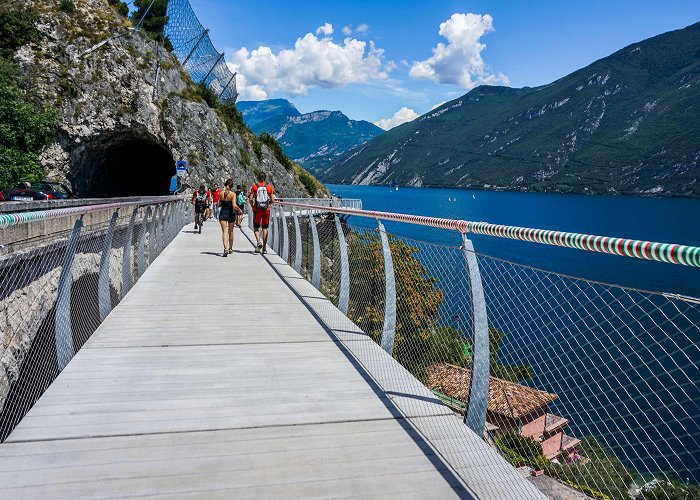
595	385
193	47
55	290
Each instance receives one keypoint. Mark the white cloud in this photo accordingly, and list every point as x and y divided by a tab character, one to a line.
401	116
314	61
460	62
326	29
362	29
347	30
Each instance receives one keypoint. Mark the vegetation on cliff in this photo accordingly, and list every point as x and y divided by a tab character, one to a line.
26	127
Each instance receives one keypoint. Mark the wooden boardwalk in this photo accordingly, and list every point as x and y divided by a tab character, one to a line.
215	378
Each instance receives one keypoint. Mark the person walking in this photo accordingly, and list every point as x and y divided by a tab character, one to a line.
240	201
215	193
228	215
200	200
261	198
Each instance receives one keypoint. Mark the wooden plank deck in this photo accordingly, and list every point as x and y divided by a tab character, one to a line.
215	378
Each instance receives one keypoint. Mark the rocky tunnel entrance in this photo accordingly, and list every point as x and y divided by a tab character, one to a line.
124	165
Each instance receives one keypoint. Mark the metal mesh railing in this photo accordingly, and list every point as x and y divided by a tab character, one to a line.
66	270
193	47
592	384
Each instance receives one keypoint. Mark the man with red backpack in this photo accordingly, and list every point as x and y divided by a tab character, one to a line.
261	197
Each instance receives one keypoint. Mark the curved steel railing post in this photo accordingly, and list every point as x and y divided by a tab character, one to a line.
297	250
153	236
344	292
127	278
273	224
279	231
316	272
389	330
285	230
65	349
475	416
103	298
141	245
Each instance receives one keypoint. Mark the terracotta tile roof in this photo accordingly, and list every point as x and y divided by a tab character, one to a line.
505	398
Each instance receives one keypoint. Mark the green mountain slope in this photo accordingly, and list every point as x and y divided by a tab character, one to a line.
626	124
312	139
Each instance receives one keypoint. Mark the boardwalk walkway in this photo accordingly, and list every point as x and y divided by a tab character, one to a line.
212	378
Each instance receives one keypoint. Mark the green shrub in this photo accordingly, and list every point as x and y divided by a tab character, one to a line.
25	129
67	6
602	471
588	491
122	7
257	149
523	446
17	28
276	149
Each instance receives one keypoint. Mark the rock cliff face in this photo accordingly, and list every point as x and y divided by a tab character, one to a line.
128	110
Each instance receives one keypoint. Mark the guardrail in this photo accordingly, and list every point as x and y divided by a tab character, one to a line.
62	279
597	385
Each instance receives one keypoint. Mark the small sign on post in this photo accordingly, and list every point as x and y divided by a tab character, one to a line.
181	167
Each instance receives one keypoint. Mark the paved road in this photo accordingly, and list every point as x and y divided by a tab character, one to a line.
212	378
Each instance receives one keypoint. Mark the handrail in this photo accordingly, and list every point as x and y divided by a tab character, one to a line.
648	250
14	219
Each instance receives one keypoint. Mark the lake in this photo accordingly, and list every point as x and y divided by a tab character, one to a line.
665	220
623	363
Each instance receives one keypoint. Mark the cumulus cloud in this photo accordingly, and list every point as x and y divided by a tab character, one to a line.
362	29
459	61
314	61
401	116
325	30
347	30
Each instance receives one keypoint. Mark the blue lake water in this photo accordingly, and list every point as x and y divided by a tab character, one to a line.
623	364
665	220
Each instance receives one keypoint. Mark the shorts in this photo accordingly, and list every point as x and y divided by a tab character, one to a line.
242	207
261	218
199	208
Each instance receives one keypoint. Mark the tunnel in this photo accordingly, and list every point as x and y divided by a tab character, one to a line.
125	164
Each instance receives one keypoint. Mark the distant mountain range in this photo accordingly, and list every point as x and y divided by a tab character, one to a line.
626	124
312	139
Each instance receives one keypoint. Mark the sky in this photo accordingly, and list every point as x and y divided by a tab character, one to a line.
388	61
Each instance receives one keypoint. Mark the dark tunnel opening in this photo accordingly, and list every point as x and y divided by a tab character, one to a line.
127	166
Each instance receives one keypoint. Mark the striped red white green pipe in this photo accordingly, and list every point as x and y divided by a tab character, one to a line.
8	220
663	252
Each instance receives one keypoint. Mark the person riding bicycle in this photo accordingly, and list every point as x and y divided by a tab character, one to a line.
201	201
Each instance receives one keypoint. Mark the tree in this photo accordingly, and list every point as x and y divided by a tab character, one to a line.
25	127
154	19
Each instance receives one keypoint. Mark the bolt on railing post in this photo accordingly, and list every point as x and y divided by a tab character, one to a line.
285	229
297	250
127	279
141	246
65	349
475	416
153	236
344	293
316	272
103	298
389	330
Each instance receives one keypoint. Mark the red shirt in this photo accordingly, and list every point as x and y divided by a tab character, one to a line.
254	191
215	195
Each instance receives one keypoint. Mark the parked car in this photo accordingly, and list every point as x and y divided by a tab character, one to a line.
38	190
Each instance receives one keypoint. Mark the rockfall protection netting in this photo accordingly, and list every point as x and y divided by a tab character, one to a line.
593	384
59	278
194	49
